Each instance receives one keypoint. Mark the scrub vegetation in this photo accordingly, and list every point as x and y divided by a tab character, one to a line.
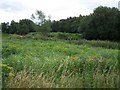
77	52
32	62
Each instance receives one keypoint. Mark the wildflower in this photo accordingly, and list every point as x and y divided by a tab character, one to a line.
9	67
68	57
4	65
73	58
11	75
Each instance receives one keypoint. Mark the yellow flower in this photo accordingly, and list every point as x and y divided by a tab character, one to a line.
9	67
4	65
11	75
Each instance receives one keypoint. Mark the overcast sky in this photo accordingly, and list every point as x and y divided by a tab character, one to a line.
57	9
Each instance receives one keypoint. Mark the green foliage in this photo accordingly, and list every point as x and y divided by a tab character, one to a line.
61	64
7	50
45	28
39	17
14	27
7	72
26	26
5	27
66	36
102	24
69	25
23	27
97	43
44	25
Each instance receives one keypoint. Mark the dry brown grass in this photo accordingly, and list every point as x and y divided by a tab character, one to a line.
25	80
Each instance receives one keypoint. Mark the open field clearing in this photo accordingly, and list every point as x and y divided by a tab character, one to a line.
32	62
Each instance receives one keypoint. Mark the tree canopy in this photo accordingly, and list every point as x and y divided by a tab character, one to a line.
24	26
102	24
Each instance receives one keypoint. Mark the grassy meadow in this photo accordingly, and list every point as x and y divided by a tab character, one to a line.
58	60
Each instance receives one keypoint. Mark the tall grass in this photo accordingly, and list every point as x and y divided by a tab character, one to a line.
51	63
97	43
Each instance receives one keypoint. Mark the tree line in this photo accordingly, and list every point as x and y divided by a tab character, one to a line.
24	26
102	24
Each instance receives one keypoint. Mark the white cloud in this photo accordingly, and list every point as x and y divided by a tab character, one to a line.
92	4
58	9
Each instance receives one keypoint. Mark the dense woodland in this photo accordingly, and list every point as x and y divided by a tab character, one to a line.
102	24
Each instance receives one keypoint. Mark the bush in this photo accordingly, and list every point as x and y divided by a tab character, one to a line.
8	50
